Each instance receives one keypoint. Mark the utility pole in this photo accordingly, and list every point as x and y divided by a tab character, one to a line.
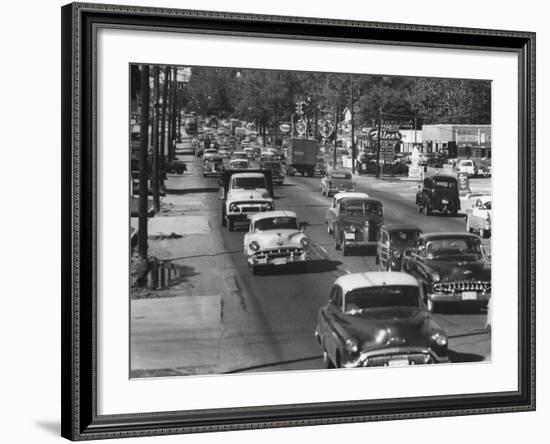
378	142
163	123
336	116
173	113
143	164
353	148
156	106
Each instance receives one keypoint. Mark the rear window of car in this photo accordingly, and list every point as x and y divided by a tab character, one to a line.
382	297
340	175
361	207
444	183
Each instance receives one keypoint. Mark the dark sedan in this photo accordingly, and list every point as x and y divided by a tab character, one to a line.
393	240
378	319
451	267
356	223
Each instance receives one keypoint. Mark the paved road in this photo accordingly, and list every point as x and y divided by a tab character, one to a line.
266	322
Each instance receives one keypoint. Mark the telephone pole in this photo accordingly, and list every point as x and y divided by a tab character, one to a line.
143	164
163	123
336	116
353	147
155	166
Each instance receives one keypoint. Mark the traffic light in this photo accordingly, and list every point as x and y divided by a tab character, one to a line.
300	107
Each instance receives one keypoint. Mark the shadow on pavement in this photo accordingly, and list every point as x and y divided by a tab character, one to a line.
464	357
313	266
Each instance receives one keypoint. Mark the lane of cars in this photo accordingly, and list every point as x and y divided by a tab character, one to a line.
371	318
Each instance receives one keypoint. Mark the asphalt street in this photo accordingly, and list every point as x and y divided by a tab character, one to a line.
266	322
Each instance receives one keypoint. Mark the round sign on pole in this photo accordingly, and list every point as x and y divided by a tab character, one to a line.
326	128
284	127
301	127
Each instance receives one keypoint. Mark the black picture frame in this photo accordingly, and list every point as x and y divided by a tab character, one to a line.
80	420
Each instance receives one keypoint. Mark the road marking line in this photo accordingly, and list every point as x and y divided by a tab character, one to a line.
322	248
347	271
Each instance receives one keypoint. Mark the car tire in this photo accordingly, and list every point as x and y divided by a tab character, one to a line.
431	305
377	259
327	362
255	270
428	210
224	220
345	250
337	243
231	225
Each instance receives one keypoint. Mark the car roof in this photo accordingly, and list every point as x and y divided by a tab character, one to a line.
448	234
356	194
353	281
239	175
400	227
276	213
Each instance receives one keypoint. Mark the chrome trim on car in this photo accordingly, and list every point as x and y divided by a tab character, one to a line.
383	356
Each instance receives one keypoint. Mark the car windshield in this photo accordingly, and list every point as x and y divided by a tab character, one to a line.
452	247
467	163
340	175
382	297
248	183
361	208
276	223
403	236
446	184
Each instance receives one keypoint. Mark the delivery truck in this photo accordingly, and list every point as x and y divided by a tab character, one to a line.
302	155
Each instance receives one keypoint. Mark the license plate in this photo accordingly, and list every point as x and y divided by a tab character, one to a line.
349	236
445	201
398	362
469	295
279	261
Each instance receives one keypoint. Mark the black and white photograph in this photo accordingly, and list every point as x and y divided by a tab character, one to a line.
296	220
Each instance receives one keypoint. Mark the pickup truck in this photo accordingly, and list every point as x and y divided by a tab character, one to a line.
243	193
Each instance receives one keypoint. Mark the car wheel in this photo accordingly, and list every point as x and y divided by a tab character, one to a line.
326	360
337	243
376	259
231	225
428	210
431	305
224	220
254	270
345	250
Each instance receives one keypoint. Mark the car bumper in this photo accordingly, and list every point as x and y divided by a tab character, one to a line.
396	356
464	296
350	240
267	260
333	190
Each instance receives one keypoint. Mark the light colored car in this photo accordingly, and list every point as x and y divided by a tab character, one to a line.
210	152
239	155
331	215
336	181
466	166
275	238
478	220
378	319
238	164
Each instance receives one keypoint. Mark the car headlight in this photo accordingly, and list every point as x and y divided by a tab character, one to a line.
436	277
439	338
267	205
351	345
233	207
254	246
305	242
350	229
265	195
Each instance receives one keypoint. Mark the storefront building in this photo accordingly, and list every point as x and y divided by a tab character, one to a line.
457	140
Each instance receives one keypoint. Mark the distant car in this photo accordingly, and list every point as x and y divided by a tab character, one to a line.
392	241
275	238
439	193
378	319
336	181
212	165
238	164
330	218
276	168
478	219
356	223
466	166
239	155
224	152
451	267
185	147
210	152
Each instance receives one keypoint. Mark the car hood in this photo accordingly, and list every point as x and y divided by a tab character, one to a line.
277	238
386	327
256	194
460	269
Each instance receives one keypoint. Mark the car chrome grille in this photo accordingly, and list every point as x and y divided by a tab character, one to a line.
249	206
279	252
460	286
413	358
